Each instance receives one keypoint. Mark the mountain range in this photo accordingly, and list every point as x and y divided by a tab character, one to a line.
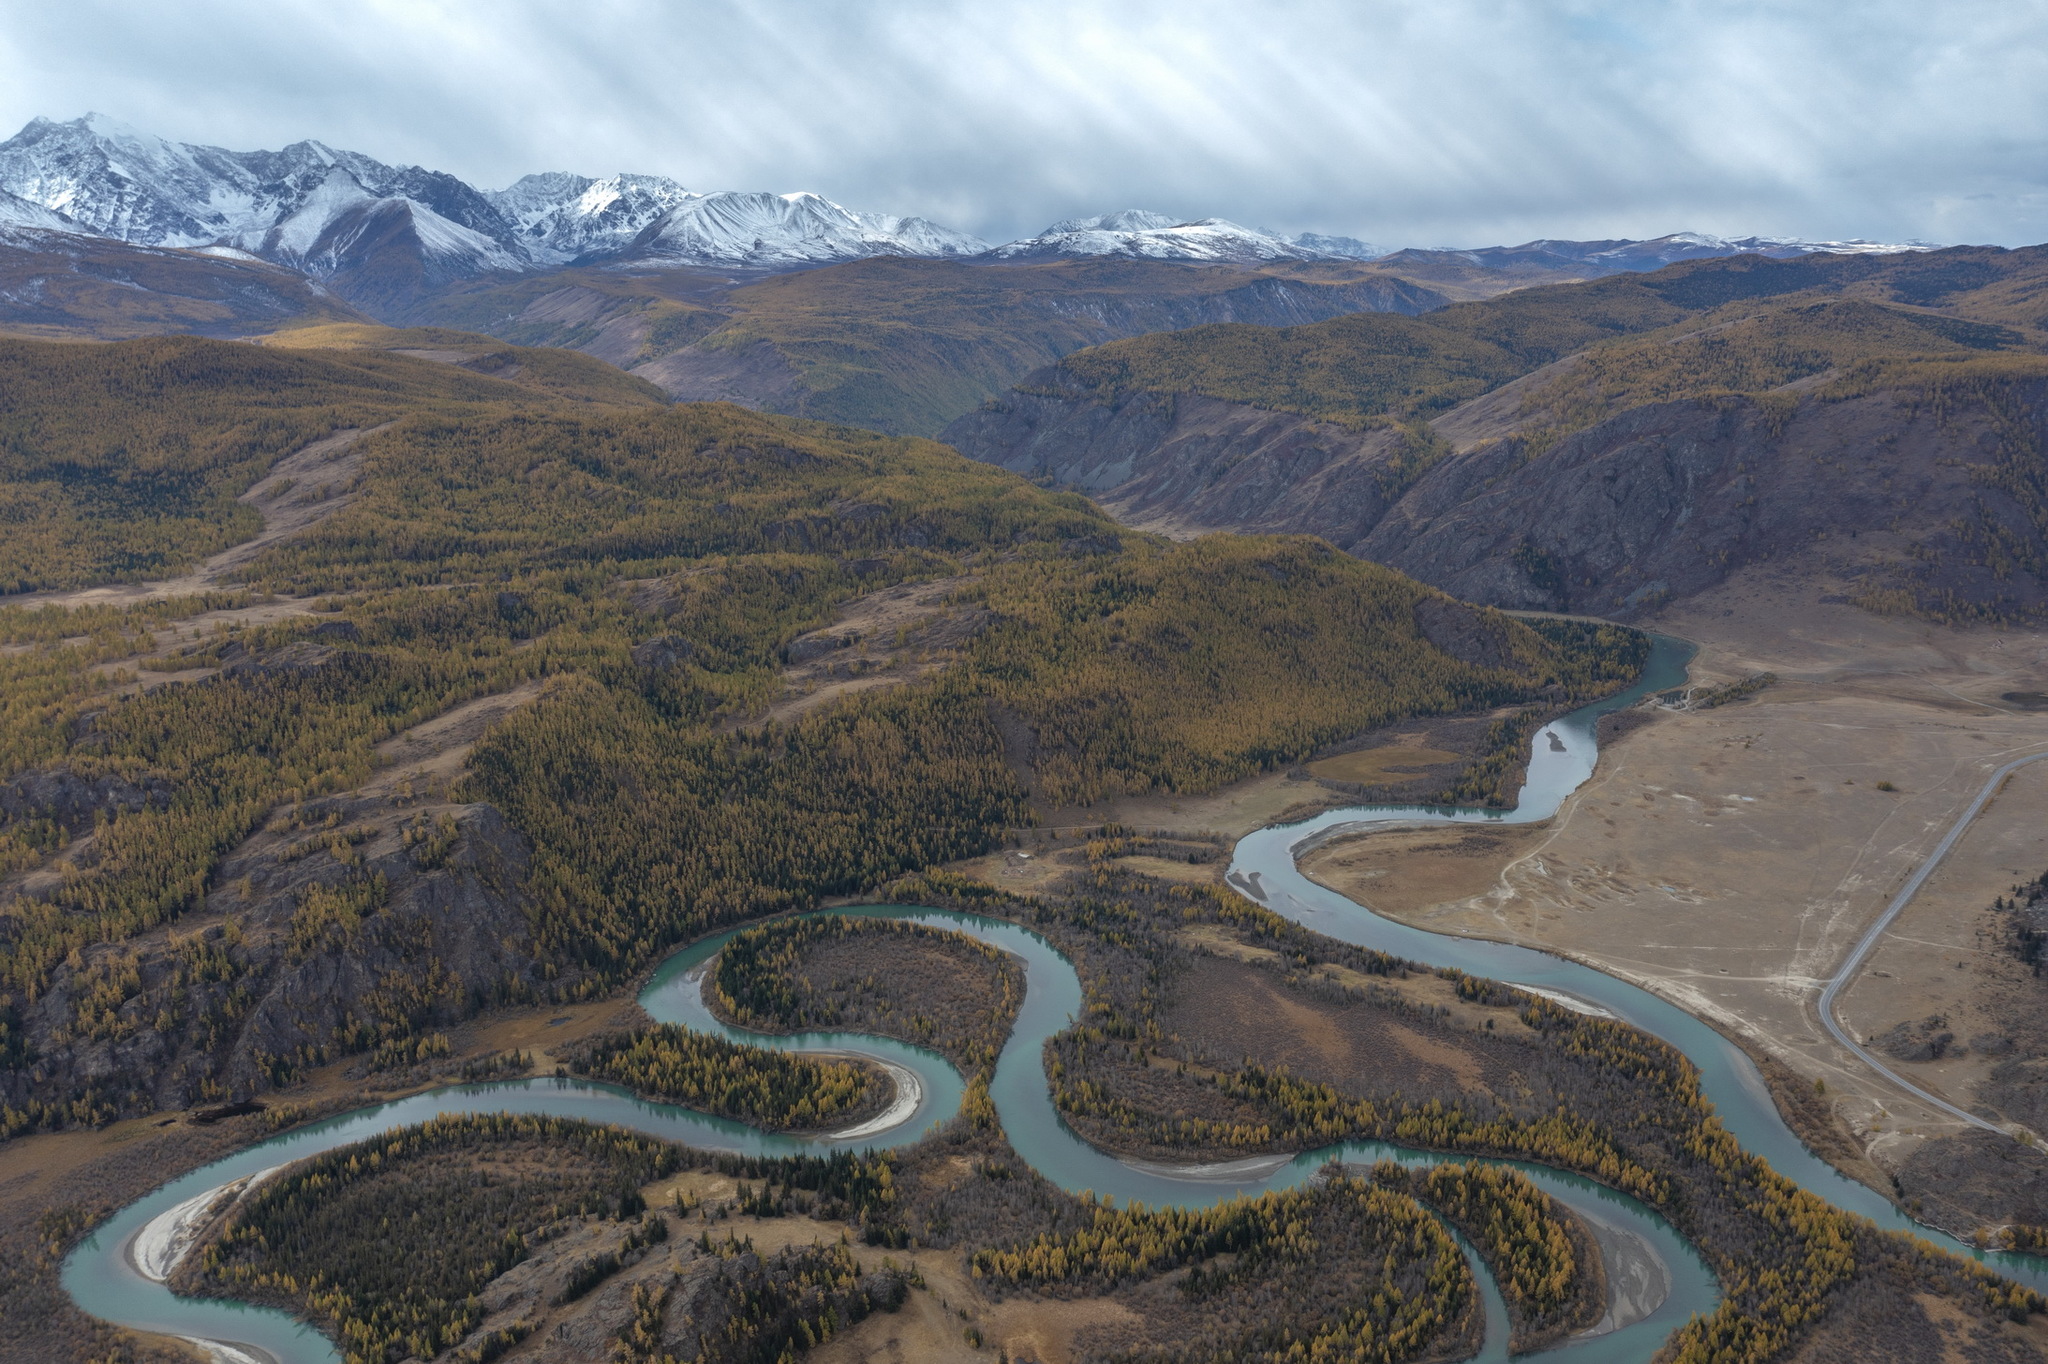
1873	423
379	235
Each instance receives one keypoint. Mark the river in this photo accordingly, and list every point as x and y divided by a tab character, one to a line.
1661	1281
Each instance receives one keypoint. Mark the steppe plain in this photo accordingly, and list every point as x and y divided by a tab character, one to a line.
1729	858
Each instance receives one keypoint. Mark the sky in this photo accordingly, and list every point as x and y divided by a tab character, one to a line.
1403	122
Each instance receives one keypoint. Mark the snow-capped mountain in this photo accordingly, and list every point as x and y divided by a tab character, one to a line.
1145	235
1140	233
558	217
122	183
1616	255
561	217
378	232
16	211
1797	246
790	229
382	235
1341	248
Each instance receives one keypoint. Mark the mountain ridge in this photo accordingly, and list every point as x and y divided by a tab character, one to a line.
1816	413
377	231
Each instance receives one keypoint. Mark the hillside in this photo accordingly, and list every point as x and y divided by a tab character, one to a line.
1880	416
238	837
125	462
61	285
895	344
558	373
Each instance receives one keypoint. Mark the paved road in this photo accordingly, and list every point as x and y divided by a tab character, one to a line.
1884	923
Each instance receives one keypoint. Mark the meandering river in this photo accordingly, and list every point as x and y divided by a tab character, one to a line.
1659	1280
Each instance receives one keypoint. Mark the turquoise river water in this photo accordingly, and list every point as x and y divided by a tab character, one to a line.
1662	1281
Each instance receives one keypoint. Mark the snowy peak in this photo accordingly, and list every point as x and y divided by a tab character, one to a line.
1144	235
1795	246
1680	246
560	217
557	216
341	216
1619	255
117	182
1125	220
759	229
1338	248
1140	233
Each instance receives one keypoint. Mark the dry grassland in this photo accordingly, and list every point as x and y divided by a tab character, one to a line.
1374	765
1728	858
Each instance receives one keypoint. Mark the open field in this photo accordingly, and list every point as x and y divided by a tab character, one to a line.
1728	858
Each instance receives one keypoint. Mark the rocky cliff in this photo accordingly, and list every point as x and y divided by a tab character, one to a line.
1185	463
352	925
1932	493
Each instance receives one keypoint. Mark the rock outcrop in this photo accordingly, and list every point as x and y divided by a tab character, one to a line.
348	925
1187	463
1888	491
73	801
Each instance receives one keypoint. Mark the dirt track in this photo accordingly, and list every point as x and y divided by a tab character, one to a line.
1729	858
300	491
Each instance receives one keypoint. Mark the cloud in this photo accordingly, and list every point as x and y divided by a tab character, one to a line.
1405	121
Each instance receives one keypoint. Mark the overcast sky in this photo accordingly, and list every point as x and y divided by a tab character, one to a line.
1406	122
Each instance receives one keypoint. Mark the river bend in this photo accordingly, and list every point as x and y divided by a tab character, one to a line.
1662	1280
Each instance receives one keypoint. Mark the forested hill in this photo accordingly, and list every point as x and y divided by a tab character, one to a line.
540	682
1373	369
894	343
1601	447
124	461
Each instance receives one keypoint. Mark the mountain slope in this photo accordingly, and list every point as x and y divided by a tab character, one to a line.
1602	447
894	344
564	374
125	461
385	235
217	881
59	283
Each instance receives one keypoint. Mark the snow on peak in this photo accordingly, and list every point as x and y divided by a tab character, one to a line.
114	130
761	229
1152	236
1855	246
1341	248
1124	220
1679	246
557	216
306	205
328	211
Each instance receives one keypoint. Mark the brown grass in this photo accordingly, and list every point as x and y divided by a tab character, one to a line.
1229	1010
1409	871
1375	765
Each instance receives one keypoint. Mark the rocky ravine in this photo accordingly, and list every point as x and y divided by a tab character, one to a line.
1887	492
356	924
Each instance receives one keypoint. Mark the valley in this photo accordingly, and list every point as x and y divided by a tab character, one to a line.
1874	419
1023	684
437	720
1727	858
